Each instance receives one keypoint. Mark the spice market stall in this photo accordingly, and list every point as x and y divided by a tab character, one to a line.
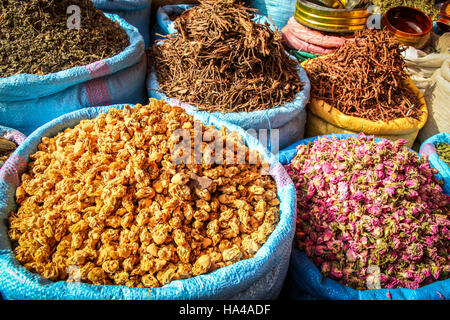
187	195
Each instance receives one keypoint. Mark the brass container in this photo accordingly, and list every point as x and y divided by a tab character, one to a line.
341	4
327	19
408	25
333	3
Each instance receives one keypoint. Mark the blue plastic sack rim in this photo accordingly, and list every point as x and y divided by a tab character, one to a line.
121	4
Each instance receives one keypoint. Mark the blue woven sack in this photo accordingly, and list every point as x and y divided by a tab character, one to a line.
135	12
28	101
18	138
428	148
289	119
260	277
278	11
306	281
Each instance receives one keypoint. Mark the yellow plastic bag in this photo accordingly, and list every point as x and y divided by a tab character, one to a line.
325	119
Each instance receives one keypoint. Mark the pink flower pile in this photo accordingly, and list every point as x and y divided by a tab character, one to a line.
365	206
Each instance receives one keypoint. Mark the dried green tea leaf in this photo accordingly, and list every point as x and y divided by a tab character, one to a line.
35	38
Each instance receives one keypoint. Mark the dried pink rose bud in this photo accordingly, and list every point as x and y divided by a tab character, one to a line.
362	203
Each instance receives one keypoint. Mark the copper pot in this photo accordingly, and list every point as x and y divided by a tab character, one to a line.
408	25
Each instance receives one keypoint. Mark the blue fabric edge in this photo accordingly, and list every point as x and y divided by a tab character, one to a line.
122	5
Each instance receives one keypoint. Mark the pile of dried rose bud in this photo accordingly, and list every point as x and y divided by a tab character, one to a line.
366	206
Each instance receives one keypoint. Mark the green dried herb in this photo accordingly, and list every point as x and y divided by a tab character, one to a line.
443	151
427	6
35	38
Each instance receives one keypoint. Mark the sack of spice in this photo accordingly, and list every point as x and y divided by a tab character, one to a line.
437	149
136	13
102	63
363	87
268	92
372	221
176	236
10	139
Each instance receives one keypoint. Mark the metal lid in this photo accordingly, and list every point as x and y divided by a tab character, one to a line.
329	19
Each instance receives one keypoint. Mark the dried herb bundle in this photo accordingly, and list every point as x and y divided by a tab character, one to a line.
365	78
221	60
35	39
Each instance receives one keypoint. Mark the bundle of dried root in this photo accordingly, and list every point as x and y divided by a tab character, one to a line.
221	60
365	78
